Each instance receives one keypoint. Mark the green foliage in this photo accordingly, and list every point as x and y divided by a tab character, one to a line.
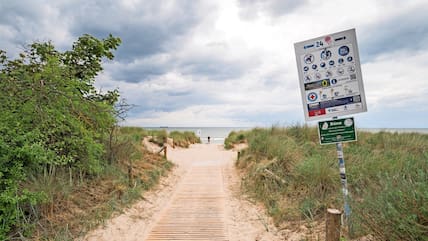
234	138
184	139
52	115
391	176
125	144
86	204
158	136
387	173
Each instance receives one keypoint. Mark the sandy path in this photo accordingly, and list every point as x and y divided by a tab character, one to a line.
199	201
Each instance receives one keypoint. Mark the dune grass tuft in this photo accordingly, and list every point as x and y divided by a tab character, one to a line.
296	178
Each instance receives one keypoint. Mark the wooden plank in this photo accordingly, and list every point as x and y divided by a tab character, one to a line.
197	211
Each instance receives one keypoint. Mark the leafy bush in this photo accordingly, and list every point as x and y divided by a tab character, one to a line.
52	116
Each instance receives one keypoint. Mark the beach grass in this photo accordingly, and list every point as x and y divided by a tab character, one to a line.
75	204
298	179
234	137
184	139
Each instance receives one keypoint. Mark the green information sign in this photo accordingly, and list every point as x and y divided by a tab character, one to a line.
338	130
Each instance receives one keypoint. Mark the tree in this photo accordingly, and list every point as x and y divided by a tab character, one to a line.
52	116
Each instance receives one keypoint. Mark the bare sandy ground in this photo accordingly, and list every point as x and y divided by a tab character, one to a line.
244	221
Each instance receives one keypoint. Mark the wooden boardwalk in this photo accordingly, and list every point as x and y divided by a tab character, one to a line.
197	210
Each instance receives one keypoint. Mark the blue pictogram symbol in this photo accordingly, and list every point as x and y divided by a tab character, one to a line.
331	62
314	66
325	54
322	64
309	59
340	61
349	58
308	46
312	96
334	81
306	68
344	50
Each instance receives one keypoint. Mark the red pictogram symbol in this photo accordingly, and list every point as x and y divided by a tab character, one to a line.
312	96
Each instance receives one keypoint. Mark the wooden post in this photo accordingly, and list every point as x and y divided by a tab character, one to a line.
164	151
239	154
332	225
130	176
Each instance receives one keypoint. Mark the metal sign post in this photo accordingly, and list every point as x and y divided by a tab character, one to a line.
331	85
342	170
339	149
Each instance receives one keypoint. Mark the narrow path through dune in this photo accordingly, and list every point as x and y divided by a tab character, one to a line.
199	201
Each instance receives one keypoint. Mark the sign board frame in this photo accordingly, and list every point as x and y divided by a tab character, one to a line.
330	130
330	77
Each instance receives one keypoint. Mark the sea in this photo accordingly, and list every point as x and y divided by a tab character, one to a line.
397	130
218	134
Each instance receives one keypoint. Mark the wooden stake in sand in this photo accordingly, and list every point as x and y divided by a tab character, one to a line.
332	225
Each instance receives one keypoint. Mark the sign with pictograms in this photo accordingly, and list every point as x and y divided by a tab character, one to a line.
330	76
337	130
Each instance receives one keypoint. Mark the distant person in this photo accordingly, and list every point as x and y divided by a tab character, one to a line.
209	139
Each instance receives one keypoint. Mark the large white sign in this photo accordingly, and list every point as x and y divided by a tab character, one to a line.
330	76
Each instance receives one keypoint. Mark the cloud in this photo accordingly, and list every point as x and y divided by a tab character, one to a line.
208	115
167	92
23	22
390	83
406	30
140	69
250	9
145	27
229	63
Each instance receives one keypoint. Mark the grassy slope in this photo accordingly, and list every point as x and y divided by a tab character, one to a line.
184	139
75	205
296	178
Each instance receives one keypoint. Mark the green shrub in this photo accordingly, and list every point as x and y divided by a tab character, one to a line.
52	117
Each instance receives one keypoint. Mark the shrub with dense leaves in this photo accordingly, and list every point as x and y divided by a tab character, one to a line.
51	116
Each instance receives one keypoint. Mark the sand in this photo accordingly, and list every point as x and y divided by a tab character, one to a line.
201	198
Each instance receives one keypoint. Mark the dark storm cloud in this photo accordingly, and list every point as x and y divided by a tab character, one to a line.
25	22
208	67
211	69
274	8
138	72
145	29
179	93
214	69
167	101
408	31
138	40
210	63
17	13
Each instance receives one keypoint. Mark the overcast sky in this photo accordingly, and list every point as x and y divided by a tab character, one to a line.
232	63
